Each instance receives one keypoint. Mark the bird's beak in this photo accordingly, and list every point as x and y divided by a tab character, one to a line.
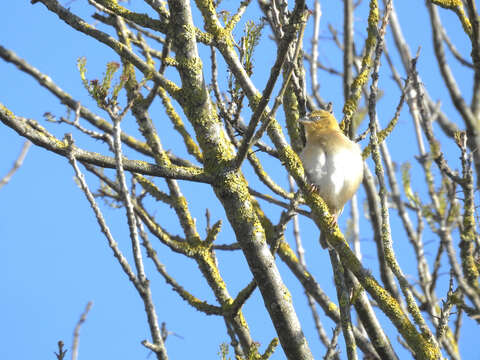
305	120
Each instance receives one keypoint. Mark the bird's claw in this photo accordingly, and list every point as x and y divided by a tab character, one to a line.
333	221
313	188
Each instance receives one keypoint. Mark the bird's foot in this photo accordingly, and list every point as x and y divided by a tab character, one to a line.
313	188
333	221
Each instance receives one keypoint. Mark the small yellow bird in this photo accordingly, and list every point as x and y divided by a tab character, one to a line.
333	163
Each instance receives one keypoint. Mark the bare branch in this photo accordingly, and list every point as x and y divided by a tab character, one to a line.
76	332
16	165
39	136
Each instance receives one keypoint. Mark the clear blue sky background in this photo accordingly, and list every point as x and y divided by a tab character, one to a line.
54	259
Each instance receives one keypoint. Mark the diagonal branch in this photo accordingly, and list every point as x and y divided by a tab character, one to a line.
267	92
122	50
31	130
65	98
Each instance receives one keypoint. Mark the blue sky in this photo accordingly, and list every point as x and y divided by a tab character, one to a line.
52	255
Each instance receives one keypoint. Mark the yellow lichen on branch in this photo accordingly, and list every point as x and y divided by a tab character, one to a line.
351	104
457	7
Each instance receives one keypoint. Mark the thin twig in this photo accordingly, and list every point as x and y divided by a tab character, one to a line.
257	116
16	165
60	355
332	351
76	332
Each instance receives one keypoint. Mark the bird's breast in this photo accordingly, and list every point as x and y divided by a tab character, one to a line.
336	172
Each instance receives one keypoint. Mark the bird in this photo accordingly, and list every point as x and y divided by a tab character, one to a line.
332	162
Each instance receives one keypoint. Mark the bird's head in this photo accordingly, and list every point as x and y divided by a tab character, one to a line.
319	121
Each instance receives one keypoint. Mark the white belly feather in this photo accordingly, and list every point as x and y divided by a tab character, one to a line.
333	173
